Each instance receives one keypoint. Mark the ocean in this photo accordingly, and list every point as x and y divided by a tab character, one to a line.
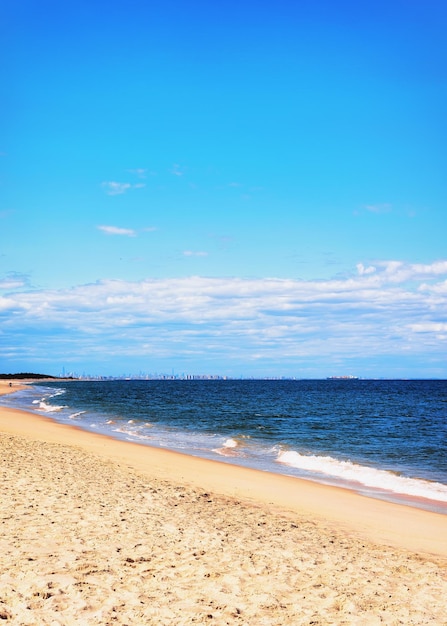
382	438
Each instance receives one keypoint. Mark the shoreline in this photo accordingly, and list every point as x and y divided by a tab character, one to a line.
409	487
377	520
96	530
417	495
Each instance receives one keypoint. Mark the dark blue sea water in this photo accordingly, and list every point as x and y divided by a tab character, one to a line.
385	439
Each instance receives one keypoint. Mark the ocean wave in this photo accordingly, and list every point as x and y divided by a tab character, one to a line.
132	434
49	408
74	415
230	447
367	476
230	443
58	392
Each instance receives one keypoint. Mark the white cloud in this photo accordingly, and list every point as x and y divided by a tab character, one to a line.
8	304
434	269
177	170
368	315
192	253
129	232
11	283
429	327
362	270
399	272
115	230
113	188
141	172
440	287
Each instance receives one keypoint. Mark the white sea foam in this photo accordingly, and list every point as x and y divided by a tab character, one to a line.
367	476
229	448
59	392
49	408
132	434
230	443
74	415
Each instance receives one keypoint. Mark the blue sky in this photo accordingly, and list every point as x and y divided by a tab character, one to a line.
241	188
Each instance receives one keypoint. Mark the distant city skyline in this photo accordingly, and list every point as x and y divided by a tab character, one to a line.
254	189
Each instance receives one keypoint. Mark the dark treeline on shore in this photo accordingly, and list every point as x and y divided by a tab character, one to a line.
22	375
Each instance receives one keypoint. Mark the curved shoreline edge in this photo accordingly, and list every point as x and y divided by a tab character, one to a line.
381	522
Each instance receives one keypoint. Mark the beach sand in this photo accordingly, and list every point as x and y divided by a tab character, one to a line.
99	531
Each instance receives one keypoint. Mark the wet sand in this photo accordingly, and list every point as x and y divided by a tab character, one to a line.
99	531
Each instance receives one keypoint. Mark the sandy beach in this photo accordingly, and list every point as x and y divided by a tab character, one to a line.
100	531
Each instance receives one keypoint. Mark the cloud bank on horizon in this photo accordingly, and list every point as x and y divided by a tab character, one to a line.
392	312
237	188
